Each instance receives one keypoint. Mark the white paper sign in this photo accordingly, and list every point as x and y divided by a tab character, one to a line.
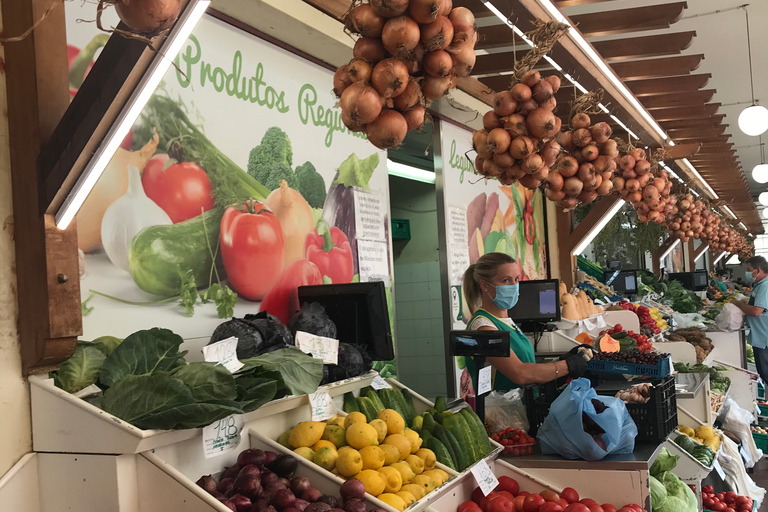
458	252
222	436
484	477
319	347
373	261
484	380
369	215
719	469
223	352
322	405
379	383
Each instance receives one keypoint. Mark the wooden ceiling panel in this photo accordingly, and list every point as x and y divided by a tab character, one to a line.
670	85
646	46
681	99
693	123
695	132
666	66
499	36
675	113
717	138
570	3
623	21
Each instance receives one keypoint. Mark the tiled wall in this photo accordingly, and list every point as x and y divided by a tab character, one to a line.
419	324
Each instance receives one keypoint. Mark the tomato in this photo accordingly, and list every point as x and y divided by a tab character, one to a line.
626	509
506	494
635	507
508	484
518	502
577	507
718	507
477	495
183	190
708	502
469	506
729	509
607	507
500	504
570	495
523	493
708	488
587	501
485	499
551	507
595	508
533	503
252	249
741	500
730	497
721	496
550	496
563	504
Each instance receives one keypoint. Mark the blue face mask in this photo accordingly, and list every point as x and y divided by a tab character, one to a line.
749	277
506	296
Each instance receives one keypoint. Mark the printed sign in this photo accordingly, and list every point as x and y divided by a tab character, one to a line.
223	352
373	260
322	405
484	477
484	380
369	215
222	436
326	349
379	383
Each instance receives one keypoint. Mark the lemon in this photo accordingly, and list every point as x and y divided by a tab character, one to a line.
394	479
283	439
373	457
326	457
306	433
414	438
407	497
436	476
360	435
373	481
381	428
391	454
395	422
416	491
426	482
354	417
428	456
305	452
349	463
401	442
337	420
417	465
335	434
406	472
394	501
323	443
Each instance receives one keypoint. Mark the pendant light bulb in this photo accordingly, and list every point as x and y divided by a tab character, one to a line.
763	198
765	213
760	173
753	120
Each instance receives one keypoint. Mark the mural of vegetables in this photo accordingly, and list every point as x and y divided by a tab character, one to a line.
330	251
182	189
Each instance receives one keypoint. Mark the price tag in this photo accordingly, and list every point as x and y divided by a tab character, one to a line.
379	383
326	349
484	380
222	436
719	469
322	405
223	352
484	477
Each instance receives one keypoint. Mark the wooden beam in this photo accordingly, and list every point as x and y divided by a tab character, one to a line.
656	256
681	151
718	138
646	46
599	211
476	89
693	123
681	99
667	66
691	263
570	3
499	36
622	21
674	113
654	86
566	264
695	132
334	8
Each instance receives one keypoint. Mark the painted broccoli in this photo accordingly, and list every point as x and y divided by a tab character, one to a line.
270	162
311	185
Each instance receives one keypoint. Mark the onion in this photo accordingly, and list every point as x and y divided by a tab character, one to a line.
632	185
409	98
498	140
542	173
438	63
526	108
554	181
370	49
551	105
587	196
361	103
491	169
572	186
390	77
550	152
415	117
491	120
531	78
504	104
643	180
629	174
521	93
554	195
642	167
341	80
517	171
581	136
642	208
590	153
400	35
533	163
446	6
437	35
350	124
601	163
541	123
504	159
567	166
542	91
650	193
413	60
479	162
435	87
586	172
580	120
388	130
389	8
601	132
565	140
464	61
607	175
634	197
148	17
515	125
506	178
554	81
359	69
520	147
618	183
626	163
424	11
638	154
462	19
530	182
480	143
610	149
366	22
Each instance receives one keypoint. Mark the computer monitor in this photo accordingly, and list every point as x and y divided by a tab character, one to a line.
685	278
700	280
539	302
623	282
360	313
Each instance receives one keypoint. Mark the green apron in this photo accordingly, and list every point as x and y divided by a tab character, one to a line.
518	343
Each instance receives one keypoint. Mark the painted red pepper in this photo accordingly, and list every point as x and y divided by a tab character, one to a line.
530	229
282	300
329	249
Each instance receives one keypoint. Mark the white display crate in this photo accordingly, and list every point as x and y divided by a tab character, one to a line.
687	468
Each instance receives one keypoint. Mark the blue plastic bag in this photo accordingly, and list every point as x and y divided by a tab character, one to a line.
576	430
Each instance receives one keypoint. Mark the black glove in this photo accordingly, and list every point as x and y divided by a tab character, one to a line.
576	359
586	351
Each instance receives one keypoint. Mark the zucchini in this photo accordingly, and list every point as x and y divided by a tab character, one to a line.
438	417
442	454
350	403
425	435
376	400
449	440
440	404
477	427
367	408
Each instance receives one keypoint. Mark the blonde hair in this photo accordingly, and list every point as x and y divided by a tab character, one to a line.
485	269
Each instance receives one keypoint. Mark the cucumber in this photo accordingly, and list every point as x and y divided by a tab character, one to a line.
350	403
477	427
473	444
161	255
450	442
425	435
442	454
403	406
440	404
376	401
367	408
408	401
390	401
364	391
428	424
438	417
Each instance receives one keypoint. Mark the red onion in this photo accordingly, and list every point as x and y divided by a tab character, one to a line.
437	35
390	77
438	63
370	49
388	130
400	35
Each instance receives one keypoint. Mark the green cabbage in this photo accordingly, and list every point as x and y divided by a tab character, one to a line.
664	462
672	504
658	492
672	495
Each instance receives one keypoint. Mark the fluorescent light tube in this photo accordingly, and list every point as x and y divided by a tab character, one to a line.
695	193
733	260
725	207
699	177
719	258
626	128
669	249
703	251
133	107
409	173
671	172
742	225
598	227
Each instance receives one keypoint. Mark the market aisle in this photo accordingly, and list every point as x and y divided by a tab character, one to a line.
760	476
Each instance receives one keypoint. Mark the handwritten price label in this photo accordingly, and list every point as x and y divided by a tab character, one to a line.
484	477
379	383
484	380
322	405
319	347
223	352
222	436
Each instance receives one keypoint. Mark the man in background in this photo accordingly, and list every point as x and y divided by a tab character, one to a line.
756	311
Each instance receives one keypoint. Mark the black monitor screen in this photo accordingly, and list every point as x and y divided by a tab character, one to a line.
360	313
700	280
539	301
480	343
685	278
622	281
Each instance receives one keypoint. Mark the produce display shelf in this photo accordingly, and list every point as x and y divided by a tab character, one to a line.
659	370
63	423
688	468
761	441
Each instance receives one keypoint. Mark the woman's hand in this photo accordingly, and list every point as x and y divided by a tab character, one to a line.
577	359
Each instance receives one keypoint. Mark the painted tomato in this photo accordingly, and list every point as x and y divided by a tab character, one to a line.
183	190
282	300
252	249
